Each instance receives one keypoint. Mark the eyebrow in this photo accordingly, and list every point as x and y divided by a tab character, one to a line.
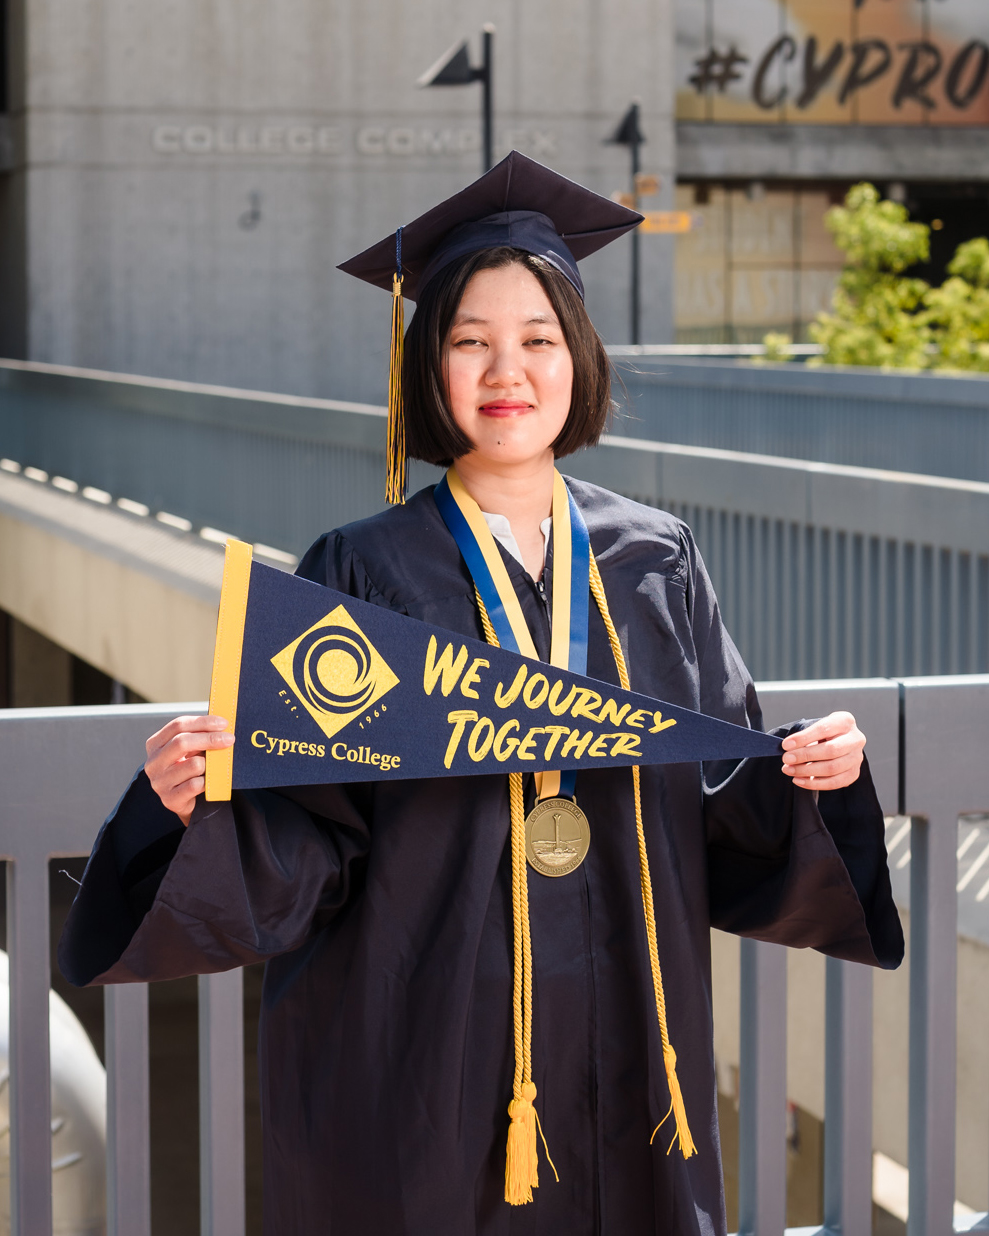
473	320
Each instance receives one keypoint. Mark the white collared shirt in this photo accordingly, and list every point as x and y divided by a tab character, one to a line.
502	532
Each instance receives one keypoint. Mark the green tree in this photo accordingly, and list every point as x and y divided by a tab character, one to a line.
958	311
878	315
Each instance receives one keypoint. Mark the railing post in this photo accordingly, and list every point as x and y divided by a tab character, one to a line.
933	963
762	1091
848	1099
128	1111
30	1076
221	1104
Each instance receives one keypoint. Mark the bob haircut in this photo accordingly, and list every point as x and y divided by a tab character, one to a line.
431	433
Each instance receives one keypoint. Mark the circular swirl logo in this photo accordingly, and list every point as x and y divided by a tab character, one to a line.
333	669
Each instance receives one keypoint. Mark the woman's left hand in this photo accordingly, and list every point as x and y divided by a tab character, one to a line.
826	755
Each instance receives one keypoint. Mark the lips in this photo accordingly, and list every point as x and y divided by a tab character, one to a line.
504	408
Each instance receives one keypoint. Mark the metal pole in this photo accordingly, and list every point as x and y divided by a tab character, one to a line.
487	95
222	1205
636	299
29	1062
762	1090
848	1099
128	1189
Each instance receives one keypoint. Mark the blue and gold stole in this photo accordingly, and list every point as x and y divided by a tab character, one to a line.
571	587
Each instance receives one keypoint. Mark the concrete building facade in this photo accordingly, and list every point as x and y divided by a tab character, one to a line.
180	180
183	178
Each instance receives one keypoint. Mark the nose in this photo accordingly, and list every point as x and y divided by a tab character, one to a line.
506	367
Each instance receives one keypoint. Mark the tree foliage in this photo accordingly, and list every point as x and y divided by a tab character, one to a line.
958	311
878	314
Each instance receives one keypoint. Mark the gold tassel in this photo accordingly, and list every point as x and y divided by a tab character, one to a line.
396	476
521	1162
677	1107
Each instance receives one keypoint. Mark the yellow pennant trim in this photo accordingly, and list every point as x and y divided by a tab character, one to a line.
226	663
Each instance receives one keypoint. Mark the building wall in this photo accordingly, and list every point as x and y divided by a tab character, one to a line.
195	170
755	261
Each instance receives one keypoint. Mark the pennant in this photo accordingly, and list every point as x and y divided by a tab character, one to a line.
321	687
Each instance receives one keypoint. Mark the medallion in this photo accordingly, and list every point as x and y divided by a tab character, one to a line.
557	836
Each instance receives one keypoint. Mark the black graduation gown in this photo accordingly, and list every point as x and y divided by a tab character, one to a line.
383	912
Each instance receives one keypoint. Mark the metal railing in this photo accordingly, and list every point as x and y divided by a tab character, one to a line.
822	570
62	768
906	422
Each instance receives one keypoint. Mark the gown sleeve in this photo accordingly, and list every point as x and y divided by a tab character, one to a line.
785	864
247	880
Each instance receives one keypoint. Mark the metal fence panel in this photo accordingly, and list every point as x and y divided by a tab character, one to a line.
905	422
61	769
848	1001
822	570
940	716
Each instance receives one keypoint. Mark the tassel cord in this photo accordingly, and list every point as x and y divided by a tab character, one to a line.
396	474
677	1108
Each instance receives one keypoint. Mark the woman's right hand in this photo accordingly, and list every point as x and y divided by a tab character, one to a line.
176	763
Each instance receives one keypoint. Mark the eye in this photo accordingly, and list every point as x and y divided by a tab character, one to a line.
539	341
468	343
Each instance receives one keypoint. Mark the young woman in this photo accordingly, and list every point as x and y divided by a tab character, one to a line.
387	913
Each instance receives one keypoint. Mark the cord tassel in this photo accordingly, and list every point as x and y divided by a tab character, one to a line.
521	1162
396	475
677	1108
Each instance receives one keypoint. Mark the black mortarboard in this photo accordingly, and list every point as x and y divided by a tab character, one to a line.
519	203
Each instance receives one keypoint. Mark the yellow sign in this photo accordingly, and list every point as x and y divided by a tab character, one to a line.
666	221
646	185
335	672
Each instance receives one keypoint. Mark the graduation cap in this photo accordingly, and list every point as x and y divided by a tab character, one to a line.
520	204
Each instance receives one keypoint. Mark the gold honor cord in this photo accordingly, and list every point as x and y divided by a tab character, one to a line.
226	663
522	1157
521	1165
677	1108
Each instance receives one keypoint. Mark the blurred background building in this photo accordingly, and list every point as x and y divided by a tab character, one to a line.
182	180
780	106
179	182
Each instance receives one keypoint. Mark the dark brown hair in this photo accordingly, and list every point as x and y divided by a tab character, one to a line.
431	433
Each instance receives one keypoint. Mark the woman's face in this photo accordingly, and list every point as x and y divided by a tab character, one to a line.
508	369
